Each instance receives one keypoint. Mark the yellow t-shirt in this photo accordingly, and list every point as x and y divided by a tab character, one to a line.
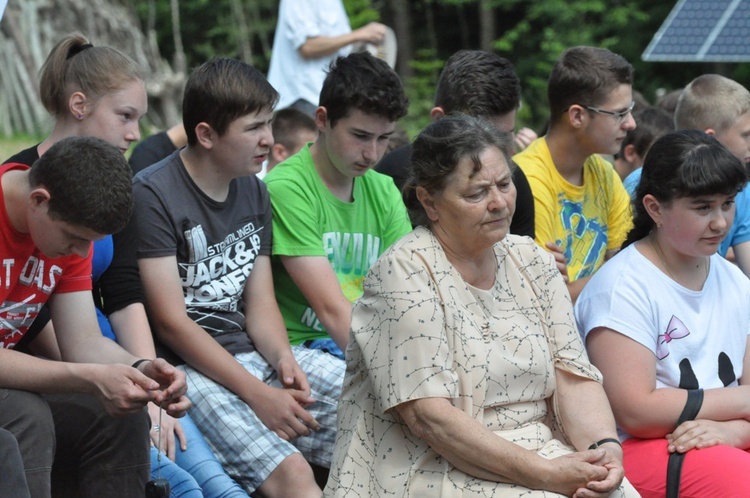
585	221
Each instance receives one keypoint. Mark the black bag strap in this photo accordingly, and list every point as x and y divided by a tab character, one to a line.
674	465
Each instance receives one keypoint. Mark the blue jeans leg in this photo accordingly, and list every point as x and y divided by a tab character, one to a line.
327	345
201	463
181	483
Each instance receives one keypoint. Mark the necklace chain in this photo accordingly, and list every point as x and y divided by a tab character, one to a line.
657	249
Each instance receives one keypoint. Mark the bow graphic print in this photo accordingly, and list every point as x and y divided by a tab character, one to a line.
675	330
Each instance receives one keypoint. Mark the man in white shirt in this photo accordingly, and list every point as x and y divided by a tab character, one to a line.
310	34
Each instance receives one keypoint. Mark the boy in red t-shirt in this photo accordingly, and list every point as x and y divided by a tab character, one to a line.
78	192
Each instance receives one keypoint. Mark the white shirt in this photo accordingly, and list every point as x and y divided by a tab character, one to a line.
293	76
686	330
697	337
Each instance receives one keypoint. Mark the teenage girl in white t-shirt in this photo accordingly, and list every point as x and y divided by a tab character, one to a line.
668	316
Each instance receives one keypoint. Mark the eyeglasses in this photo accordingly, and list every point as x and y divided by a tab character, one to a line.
620	116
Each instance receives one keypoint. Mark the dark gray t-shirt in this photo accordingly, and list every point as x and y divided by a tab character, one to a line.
215	243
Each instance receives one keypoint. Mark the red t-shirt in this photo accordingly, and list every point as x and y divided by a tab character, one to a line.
28	277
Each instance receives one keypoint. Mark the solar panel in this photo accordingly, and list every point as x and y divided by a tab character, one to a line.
703	31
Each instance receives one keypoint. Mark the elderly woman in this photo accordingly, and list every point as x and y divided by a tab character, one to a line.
464	356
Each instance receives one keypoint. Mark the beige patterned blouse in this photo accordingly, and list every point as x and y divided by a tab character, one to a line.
420	331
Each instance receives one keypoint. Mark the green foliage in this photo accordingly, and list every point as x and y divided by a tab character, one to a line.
360	12
545	29
533	33
530	33
209	28
421	91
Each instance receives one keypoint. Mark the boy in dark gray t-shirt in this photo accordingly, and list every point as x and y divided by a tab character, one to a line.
204	240
215	243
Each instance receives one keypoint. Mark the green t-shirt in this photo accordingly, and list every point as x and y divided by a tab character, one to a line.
308	220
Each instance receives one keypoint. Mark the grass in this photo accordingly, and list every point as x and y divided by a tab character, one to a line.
16	143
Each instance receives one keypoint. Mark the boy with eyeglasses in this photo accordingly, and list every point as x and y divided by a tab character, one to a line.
582	211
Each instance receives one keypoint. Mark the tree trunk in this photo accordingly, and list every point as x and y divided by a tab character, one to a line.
463	24
243	32
486	25
402	27
30	28
11	28
153	43
262	34
431	31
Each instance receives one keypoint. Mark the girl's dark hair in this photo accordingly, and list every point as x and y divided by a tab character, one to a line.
439	148
686	163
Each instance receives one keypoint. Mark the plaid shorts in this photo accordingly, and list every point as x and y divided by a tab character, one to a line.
247	449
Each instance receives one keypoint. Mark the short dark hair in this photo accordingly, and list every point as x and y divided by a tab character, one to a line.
652	122
287	123
686	163
585	76
439	148
361	81
222	90
89	183
478	83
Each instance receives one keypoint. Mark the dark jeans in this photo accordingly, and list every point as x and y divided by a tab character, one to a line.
71	447
13	481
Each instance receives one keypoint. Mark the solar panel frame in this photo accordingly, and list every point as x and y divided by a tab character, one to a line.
703	31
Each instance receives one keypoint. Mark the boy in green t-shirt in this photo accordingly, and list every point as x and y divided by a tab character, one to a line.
333	216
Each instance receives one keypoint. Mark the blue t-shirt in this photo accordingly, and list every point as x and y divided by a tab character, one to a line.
631	182
100	261
739	232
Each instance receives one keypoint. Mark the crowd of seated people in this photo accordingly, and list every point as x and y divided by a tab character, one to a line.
295	307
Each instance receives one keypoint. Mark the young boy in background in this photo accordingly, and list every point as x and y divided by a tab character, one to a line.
653	122
292	129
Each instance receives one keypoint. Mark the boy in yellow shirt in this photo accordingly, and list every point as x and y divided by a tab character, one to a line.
582	211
